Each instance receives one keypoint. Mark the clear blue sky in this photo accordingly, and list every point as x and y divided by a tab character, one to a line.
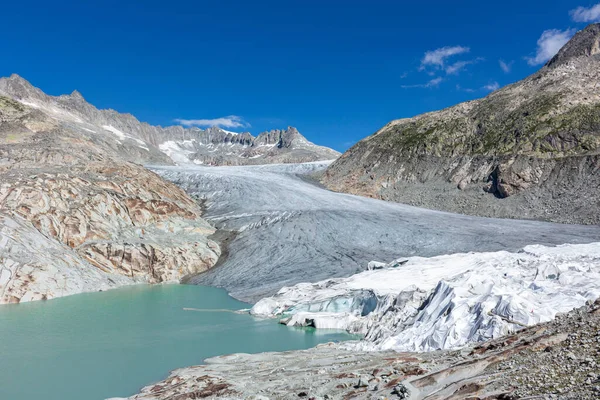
337	70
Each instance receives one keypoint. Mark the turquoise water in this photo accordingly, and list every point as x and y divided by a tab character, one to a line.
99	345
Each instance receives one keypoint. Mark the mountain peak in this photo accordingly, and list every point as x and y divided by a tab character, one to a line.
18	87
17	81
18	78
77	95
585	43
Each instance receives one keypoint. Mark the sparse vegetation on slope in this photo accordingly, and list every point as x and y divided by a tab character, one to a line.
529	150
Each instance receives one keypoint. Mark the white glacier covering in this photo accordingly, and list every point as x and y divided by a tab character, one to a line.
178	151
290	230
445	302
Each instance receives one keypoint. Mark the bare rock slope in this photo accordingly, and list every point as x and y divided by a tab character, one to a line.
77	214
528	150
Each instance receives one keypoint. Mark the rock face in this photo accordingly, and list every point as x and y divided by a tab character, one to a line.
68	187
34	266
528	150
140	142
554	360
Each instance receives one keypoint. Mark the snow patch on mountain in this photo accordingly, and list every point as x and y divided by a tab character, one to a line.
123	136
178	151
52	110
445	302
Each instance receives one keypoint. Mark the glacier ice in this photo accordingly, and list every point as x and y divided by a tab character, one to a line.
447	301
290	230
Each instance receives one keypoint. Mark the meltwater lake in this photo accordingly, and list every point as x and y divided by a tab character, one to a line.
111	344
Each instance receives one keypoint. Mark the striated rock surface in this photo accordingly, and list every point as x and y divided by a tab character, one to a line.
78	188
34	266
528	150
554	360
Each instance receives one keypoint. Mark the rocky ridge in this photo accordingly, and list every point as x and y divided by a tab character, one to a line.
528	150
142	142
215	146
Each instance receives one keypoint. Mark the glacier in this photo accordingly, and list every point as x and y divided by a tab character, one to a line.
445	302
284	228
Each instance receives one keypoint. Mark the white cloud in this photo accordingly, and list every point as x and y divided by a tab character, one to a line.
549	44
505	66
583	14
435	82
438	57
492	86
458	66
231	121
463	89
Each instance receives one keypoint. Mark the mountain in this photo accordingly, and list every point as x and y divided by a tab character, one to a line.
215	146
140	142
77	210
76	214
528	150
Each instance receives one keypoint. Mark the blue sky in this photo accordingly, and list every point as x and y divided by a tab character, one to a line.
337	70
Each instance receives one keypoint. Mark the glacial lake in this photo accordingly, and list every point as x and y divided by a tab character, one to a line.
110	344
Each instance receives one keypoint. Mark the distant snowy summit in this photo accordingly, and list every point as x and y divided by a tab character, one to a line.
216	146
143	143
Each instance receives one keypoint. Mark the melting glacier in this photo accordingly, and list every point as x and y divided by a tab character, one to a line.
445	302
286	229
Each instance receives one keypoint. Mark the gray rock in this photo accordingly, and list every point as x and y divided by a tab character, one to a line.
401	391
363	381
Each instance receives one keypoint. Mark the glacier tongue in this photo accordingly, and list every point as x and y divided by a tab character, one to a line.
445	302
290	230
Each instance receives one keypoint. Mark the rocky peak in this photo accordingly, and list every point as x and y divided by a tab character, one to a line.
216	135
18	79
281	137
214	145
585	43
291	136
16	86
76	95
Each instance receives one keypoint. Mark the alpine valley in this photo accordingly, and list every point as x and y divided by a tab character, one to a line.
489	291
